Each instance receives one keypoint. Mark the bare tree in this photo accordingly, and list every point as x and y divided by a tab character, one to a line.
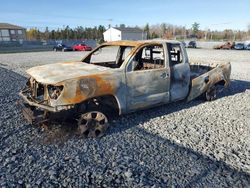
248	31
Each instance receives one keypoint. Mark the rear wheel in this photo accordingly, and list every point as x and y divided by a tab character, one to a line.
211	94
93	124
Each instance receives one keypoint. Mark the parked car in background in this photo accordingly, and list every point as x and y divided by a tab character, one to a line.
62	47
184	44
239	46
81	47
192	44
227	46
247	47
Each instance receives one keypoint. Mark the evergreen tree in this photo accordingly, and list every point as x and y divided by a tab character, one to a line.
195	28
146	30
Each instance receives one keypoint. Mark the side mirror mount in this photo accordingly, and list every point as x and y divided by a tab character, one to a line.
97	51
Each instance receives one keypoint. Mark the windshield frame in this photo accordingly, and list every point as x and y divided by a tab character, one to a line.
87	58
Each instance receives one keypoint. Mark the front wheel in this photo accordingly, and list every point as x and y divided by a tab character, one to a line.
93	124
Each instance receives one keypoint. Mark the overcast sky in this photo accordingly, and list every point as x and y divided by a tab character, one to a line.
213	14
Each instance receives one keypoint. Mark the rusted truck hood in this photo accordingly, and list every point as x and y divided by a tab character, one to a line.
58	72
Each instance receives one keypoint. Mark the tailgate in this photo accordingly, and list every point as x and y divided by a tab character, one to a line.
202	83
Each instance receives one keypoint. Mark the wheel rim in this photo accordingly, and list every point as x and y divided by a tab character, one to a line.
92	124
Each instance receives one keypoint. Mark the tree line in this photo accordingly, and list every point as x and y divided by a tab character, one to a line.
170	31
67	33
164	30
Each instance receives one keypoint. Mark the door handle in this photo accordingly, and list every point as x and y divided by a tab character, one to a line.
164	75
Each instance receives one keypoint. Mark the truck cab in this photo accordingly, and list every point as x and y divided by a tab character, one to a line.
157	74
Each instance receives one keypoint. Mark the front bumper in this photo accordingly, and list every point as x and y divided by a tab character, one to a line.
40	104
33	102
37	114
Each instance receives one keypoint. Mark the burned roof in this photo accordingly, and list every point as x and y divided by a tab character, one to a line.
124	43
9	26
129	29
140	42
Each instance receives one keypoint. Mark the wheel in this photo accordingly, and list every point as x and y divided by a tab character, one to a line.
211	94
93	124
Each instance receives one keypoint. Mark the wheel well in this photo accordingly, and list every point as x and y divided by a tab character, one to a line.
111	102
108	102
222	82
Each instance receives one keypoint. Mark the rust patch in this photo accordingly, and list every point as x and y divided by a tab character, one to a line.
88	87
125	43
104	86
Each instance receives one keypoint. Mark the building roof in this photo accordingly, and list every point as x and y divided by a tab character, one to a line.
129	29
9	26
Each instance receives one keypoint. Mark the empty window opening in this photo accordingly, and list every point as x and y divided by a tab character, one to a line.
149	57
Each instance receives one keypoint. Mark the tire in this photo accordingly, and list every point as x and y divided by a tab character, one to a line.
211	94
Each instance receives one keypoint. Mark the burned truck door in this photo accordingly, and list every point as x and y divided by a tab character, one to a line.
180	72
147	77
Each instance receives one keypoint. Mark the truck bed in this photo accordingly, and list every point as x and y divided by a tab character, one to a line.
204	77
197	70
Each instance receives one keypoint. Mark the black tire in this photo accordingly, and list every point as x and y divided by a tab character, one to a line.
211	94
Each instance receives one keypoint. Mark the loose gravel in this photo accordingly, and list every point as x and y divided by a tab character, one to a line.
196	144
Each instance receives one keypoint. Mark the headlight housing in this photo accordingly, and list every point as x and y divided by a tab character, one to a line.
54	91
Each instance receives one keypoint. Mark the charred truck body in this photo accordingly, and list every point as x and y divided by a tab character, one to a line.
118	78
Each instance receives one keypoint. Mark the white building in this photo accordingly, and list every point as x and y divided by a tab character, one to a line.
126	33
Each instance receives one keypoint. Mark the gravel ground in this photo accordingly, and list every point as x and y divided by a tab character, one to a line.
196	144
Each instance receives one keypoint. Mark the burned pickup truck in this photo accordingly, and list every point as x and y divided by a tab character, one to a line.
118	78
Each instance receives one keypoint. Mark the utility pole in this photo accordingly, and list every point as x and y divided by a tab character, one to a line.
206	32
234	32
174	32
110	28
